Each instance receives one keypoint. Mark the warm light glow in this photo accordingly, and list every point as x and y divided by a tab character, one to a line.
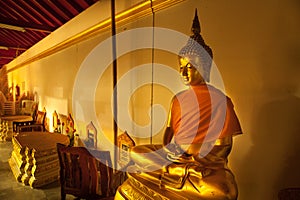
59	105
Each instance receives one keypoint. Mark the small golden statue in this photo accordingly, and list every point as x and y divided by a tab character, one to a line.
192	161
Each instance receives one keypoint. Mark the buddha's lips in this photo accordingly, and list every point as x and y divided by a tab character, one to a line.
185	78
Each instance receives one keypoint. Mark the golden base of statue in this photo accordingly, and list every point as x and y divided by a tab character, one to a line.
135	187
183	178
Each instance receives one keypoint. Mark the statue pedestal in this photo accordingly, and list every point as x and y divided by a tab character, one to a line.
136	187
211	183
34	159
6	125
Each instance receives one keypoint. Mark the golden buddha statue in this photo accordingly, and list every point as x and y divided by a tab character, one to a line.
192	161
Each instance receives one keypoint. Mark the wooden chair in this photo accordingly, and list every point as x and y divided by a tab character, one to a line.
91	141
84	174
38	124
125	143
9	108
106	171
28	107
70	129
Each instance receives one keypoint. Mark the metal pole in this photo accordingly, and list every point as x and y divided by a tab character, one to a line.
115	100
152	75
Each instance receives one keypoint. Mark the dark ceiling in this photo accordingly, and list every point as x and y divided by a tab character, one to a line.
35	19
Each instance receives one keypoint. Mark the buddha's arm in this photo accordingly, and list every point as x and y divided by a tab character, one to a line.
168	135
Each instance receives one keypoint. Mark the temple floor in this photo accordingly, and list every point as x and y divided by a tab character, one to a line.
11	189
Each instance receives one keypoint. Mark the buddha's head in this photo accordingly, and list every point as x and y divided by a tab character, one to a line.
196	54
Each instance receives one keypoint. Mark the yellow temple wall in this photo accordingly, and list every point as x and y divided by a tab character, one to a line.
256	50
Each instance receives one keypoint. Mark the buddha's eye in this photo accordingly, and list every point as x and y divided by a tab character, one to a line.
189	66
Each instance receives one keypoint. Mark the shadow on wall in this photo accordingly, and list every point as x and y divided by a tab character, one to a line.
273	162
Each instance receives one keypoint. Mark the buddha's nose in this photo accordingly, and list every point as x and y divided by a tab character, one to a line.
184	71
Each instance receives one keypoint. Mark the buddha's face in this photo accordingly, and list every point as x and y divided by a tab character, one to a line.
189	74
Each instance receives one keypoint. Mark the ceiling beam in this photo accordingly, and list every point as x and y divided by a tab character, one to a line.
4	47
11	27
6	57
28	26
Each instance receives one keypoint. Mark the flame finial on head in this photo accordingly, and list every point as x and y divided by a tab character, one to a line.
196	29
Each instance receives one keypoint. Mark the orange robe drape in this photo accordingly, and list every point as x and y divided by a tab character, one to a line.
202	114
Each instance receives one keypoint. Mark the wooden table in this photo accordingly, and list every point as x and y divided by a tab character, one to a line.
34	160
6	125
